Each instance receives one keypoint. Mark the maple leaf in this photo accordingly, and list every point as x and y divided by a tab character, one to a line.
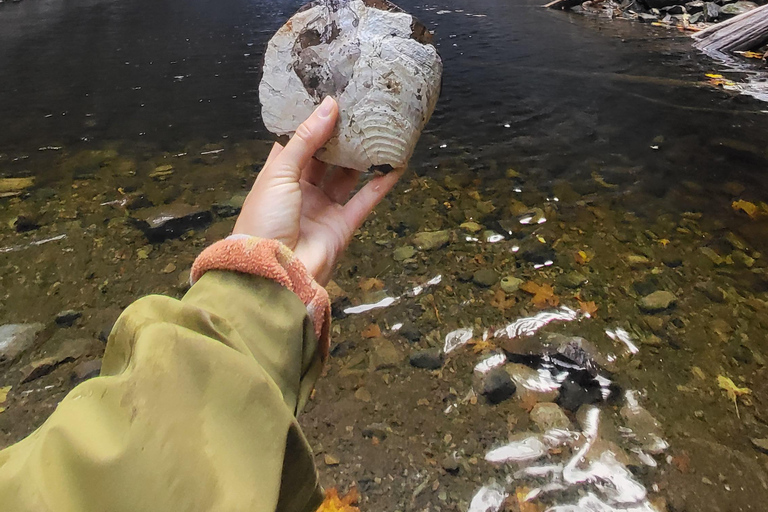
589	308
481	345
334	503
543	295
371	283
501	302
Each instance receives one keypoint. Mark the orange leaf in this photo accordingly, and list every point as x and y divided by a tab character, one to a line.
501	302
371	283
588	308
334	503
543	295
372	331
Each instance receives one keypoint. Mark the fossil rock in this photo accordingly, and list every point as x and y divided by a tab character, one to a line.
374	59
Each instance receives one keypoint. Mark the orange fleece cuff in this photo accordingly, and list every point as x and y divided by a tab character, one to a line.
273	260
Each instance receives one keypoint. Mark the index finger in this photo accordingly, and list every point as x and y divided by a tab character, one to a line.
308	138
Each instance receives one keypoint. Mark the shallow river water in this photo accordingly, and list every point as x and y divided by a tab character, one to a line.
583	214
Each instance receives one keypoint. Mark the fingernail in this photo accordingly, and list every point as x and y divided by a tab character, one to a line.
325	108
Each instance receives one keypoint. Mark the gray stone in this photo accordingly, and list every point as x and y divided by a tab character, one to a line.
403	253
646	429
533	251
713	256
431	240
171	221
548	416
86	370
712	291
67	318
430	359
711	11
410	331
16	338
230	207
384	354
571	279
485	277
638	261
450	464
532	387
39	368
647	18
657	301
741	259
497	386
737	8
694	6
510	284
761	444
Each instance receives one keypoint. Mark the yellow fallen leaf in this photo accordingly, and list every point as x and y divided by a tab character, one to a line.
751	55
750	209
664	242
582	257
4	393
732	390
334	503
713	75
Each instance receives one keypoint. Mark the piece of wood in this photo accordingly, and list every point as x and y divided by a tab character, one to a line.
13	185
744	32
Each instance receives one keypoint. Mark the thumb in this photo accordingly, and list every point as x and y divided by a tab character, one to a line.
308	138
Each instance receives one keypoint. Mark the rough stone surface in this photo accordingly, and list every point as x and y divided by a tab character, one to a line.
737	8
657	301
374	59
498	386
760	444
431	240
86	370
548	416
485	277
410	331
16	338
384	354
430	359
404	253
571	279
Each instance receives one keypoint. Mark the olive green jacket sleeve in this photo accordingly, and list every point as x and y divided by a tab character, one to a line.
194	411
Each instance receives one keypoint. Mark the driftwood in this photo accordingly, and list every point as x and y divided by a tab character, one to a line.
744	32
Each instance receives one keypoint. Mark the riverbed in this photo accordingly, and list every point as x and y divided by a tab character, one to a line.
590	162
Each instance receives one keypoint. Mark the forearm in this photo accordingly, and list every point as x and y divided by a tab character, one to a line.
194	411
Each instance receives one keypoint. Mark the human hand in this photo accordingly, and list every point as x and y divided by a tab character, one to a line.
302	202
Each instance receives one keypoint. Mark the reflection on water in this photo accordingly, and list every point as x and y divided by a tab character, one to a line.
577	166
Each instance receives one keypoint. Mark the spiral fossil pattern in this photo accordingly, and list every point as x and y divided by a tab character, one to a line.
376	60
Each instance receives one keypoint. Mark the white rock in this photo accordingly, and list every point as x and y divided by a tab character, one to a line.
374	59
